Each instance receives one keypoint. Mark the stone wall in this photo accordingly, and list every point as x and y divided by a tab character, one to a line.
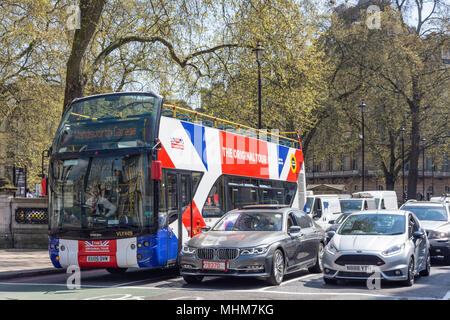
23	225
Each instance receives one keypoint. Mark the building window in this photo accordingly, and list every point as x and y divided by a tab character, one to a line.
445	164
354	164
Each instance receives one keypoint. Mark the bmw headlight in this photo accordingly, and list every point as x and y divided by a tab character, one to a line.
188	250
256	250
393	250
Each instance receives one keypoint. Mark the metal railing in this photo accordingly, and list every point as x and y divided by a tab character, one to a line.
31	215
226	125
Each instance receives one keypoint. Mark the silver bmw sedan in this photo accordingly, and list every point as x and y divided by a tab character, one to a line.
256	241
387	244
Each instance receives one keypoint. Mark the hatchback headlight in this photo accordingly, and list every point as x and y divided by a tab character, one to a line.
438	235
331	248
188	250
393	250
256	250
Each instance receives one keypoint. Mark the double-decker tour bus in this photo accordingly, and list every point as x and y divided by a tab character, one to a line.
131	179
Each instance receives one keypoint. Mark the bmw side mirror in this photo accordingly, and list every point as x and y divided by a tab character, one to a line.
294	230
418	234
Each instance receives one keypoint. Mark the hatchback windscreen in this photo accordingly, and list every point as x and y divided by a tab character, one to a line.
342	217
428	213
373	224
250	221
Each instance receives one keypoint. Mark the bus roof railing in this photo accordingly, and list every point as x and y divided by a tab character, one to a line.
173	111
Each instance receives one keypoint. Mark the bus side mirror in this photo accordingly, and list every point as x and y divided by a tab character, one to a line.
156	170
206	228
157	146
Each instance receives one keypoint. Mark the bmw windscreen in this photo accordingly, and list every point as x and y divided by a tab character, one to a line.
250	221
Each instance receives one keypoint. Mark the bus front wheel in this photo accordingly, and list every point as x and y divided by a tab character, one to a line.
116	270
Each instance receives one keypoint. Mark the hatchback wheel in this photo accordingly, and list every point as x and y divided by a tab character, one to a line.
426	272
330	281
277	273
410	280
317	268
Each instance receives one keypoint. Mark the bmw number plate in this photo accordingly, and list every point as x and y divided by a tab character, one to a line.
359	268
97	259
215	265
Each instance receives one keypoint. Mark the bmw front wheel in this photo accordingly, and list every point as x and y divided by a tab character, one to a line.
193	279
277	273
317	268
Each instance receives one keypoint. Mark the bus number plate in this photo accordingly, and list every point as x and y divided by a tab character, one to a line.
97	259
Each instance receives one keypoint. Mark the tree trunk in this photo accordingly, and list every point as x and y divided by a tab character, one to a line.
90	15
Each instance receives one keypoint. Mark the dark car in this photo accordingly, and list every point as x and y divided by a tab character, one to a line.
335	224
256	241
435	219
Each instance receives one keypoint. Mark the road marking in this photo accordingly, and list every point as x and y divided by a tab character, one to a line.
353	294
59	275
447	296
242	291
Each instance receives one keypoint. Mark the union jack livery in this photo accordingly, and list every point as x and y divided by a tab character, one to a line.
131	198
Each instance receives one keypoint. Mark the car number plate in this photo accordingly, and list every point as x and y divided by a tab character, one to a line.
359	268
97	258
215	265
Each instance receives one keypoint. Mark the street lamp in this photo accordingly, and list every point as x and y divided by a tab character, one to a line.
403	163
363	107
259	50
423	166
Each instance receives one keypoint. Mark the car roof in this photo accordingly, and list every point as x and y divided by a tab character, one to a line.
275	208
387	211
424	203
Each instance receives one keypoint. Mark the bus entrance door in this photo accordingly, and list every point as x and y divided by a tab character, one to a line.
179	200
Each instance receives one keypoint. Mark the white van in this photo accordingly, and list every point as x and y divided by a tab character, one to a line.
383	199
358	203
323	208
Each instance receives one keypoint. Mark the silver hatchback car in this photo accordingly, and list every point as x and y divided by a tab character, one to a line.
390	243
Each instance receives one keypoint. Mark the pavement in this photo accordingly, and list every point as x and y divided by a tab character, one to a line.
25	262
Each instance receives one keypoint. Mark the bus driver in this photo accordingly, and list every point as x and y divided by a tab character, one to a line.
99	204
